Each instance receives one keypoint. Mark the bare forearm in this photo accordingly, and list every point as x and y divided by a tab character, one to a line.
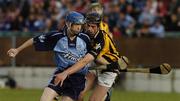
14	51
80	64
25	45
76	67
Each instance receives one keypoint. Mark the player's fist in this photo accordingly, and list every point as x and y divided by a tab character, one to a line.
123	62
12	52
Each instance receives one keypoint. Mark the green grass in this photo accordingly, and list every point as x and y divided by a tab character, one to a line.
144	96
20	94
34	95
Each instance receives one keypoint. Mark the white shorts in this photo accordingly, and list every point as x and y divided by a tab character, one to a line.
106	79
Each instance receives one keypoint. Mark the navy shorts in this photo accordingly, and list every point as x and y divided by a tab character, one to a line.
72	85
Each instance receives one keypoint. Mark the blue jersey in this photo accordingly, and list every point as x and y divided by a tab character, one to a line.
67	52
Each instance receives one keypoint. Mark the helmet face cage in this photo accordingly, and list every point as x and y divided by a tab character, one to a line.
94	18
75	18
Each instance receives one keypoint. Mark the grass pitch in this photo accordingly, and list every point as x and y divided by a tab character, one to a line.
34	95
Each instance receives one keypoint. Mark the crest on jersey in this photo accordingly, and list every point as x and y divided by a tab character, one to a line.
98	46
70	56
42	38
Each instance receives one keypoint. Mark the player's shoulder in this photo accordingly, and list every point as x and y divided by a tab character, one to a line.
104	25
55	33
84	36
102	33
100	37
106	34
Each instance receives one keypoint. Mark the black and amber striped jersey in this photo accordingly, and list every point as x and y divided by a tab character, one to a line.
104	26
103	48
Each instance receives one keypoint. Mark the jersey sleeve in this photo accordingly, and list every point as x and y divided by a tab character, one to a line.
86	39
97	47
45	41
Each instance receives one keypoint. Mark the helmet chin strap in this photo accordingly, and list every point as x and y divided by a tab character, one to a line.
71	32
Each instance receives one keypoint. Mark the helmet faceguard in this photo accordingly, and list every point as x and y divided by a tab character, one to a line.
74	18
93	21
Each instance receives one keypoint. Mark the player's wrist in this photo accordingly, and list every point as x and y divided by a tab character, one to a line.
18	49
66	73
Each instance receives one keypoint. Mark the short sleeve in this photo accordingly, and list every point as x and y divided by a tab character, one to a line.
97	47
46	41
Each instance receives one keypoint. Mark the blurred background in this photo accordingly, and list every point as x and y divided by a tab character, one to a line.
146	31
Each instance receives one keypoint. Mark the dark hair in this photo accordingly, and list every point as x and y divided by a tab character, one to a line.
94	18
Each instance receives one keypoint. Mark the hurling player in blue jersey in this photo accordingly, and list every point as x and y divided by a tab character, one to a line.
69	46
103	52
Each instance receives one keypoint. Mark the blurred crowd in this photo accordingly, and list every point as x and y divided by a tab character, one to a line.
133	18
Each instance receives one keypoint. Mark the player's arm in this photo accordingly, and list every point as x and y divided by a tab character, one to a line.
43	42
89	57
80	64
14	51
77	66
